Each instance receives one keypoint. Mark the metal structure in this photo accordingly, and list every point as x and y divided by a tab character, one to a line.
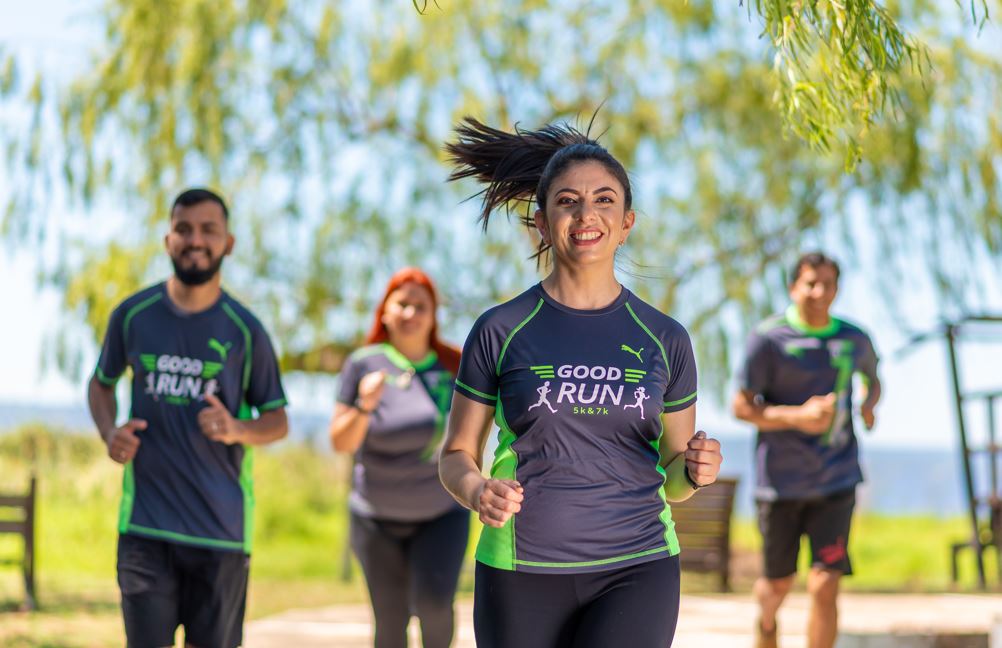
984	508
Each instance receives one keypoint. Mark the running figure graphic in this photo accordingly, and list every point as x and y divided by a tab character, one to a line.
543	391
641	395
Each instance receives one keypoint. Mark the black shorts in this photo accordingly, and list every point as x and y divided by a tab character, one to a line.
165	585
635	606
825	521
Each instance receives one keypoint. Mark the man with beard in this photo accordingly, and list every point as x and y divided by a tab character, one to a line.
796	387
201	365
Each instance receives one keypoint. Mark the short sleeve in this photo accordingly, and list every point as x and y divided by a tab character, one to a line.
682	379
868	359
348	379
756	372
265	392
113	359
478	371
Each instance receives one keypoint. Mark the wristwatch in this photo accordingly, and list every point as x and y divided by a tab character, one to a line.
692	482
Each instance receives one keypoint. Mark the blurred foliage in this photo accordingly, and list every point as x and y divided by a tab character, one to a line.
323	123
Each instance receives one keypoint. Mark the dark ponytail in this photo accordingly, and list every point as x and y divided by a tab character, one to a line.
519	167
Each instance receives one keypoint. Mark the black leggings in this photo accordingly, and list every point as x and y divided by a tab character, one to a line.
412	568
633	606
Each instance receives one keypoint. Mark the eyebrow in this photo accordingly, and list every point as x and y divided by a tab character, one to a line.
576	192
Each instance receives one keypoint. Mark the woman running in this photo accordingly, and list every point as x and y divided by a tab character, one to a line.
579	548
394	398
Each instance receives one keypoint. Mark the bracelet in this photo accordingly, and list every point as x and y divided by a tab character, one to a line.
358	406
692	482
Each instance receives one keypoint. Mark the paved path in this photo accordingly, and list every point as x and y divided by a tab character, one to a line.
705	621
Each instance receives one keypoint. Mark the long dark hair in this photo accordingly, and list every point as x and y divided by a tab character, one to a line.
519	167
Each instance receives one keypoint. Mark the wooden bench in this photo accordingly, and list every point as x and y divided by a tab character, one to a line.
17	516
703	526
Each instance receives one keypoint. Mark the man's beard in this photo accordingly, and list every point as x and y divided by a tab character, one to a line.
195	276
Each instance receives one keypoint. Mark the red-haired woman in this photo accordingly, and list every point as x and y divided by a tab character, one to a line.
408	533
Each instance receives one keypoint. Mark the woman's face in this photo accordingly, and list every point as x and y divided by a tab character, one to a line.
586	217
409	312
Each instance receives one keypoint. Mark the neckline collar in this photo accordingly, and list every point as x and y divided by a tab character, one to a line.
798	324
401	361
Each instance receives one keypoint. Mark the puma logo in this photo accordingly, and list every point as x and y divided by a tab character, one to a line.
629	349
220	348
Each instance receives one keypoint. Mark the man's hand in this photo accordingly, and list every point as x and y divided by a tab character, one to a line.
816	415
218	424
123	443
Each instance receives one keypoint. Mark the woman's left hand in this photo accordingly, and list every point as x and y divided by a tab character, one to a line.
703	459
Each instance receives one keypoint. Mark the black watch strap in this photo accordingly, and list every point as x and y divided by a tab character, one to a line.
358	406
692	482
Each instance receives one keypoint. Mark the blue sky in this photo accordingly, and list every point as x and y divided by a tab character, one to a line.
916	410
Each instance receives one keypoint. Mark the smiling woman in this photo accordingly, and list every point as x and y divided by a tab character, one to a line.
613	424
394	397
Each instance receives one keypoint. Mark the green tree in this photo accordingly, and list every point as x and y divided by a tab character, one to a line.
324	122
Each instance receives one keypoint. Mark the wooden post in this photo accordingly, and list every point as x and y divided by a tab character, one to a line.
30	600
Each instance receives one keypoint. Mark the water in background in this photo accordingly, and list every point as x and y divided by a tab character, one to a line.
907	481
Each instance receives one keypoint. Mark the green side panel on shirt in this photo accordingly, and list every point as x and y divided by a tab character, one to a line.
247	486
671	539
128	497
497	546
247	481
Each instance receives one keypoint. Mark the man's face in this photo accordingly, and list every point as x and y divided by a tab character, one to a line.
197	242
814	290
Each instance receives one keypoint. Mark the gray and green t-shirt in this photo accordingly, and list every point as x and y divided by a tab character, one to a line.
786	363
181	487
396	468
578	398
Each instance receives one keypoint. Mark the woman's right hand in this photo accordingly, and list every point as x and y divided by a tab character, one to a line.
370	390
499	499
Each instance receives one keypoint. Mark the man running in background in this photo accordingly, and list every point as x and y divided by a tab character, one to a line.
201	364
796	388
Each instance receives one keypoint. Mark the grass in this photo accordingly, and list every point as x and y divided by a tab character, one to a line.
301	529
889	553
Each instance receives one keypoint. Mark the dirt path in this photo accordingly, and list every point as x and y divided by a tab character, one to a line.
705	621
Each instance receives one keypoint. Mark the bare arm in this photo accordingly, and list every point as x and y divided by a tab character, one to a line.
269	427
219	425
459	468
348	428
103	407
814	416
870	402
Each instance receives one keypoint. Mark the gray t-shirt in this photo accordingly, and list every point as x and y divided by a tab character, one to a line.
181	487
396	467
578	398
786	363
